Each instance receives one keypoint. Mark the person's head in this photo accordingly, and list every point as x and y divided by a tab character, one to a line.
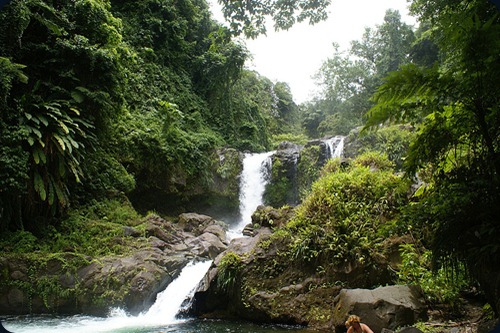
352	320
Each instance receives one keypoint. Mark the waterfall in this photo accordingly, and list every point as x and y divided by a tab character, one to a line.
254	177
161	314
335	146
168	302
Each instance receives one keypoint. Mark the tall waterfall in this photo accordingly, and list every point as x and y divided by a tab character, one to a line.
254	178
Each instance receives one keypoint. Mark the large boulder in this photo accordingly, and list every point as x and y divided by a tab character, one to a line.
385	307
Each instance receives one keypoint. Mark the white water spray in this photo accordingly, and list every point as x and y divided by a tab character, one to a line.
252	185
335	146
169	301
161	314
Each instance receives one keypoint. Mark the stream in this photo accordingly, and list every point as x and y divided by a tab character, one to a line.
162	316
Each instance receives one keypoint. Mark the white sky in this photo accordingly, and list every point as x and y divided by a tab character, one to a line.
294	56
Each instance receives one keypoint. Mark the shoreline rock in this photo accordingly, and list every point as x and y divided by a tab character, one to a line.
93	285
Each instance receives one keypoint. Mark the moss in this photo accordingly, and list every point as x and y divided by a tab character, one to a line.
48	264
279	191
308	169
226	168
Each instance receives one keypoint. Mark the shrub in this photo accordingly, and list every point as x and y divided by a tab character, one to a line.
337	222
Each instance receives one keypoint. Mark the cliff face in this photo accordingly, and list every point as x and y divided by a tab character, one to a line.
178	193
294	169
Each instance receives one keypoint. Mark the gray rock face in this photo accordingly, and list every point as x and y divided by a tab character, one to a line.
385	307
131	282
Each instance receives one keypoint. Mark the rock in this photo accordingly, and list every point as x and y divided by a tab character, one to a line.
489	326
195	223
323	150
248	245
288	145
92	285
267	216
248	230
206	245
267	288
392	248
384	307
16	298
130	231
130	282
218	231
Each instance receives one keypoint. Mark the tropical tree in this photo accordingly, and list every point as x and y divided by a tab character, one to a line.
249	17
455	105
348	79
57	103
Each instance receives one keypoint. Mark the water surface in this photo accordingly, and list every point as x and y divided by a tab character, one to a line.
84	324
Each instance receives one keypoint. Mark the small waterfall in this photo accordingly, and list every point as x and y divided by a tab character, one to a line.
161	314
254	177
335	146
168	302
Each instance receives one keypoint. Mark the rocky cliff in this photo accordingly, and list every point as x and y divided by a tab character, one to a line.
69	283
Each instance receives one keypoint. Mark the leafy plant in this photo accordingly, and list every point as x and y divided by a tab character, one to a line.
439	286
229	271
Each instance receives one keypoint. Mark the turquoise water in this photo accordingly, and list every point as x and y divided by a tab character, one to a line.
84	324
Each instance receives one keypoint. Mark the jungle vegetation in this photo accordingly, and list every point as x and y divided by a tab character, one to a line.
104	98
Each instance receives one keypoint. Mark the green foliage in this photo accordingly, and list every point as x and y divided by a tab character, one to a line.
9	73
249	18
461	216
19	242
228	271
391	140
439	286
308	168
227	166
102	97
454	105
337	222
63	100
299	139
90	231
55	134
280	189
374	160
254	109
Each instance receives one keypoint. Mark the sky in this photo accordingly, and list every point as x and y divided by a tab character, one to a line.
295	56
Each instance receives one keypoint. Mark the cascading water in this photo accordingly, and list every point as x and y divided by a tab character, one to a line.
162	313
254	178
169	301
335	146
